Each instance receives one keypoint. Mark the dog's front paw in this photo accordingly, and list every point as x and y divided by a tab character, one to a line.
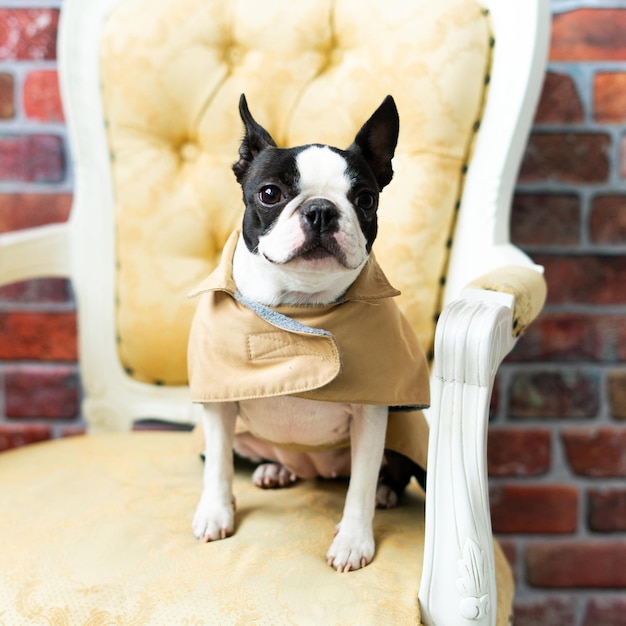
213	519
352	548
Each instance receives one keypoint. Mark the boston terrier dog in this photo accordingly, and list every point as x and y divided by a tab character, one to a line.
309	225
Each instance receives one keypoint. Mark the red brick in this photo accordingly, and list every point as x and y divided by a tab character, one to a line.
597	453
564	393
42	100
549	509
38	336
605	612
28	34
609	97
607	510
560	565
32	158
617	393
566	157
36	391
573	337
25	210
17	435
589	35
545	612
37	291
607	224
584	279
545	220
560	102
518	452
7	97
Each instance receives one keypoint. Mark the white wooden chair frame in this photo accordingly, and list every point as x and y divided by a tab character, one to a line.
473	334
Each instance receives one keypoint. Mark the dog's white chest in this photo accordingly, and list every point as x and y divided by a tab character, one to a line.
298	421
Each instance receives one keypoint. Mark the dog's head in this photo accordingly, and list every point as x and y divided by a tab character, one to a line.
311	211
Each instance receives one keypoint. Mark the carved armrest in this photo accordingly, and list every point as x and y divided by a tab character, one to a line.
474	334
35	253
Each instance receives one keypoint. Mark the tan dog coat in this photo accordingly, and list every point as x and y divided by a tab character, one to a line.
358	350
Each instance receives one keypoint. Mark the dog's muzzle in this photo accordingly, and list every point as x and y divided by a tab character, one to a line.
319	219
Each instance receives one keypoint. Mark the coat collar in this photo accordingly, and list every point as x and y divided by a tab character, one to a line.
371	284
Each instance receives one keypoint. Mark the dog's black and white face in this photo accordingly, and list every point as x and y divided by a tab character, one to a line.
310	212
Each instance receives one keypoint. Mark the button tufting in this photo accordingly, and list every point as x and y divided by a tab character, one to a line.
335	57
233	54
189	151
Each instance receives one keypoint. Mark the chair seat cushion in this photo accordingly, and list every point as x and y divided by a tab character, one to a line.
98	530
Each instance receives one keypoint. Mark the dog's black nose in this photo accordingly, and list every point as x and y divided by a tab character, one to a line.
320	216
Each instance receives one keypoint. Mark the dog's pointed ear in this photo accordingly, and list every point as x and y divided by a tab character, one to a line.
255	139
377	139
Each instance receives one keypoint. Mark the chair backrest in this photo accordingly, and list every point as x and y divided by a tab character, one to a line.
150	89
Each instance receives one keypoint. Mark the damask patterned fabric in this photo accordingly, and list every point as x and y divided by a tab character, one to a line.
172	73
528	287
99	533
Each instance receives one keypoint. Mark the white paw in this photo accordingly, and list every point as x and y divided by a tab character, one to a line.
386	497
213	519
352	548
271	475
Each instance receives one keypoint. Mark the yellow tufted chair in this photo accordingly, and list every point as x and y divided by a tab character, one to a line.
96	530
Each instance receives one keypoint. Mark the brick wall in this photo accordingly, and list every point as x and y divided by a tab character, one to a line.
39	383
557	453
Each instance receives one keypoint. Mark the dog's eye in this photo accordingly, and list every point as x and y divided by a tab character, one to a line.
270	194
365	200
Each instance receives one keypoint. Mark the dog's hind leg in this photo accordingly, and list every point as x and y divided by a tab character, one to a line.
395	475
273	475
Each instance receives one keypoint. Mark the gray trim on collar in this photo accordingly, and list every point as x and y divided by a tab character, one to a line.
278	319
